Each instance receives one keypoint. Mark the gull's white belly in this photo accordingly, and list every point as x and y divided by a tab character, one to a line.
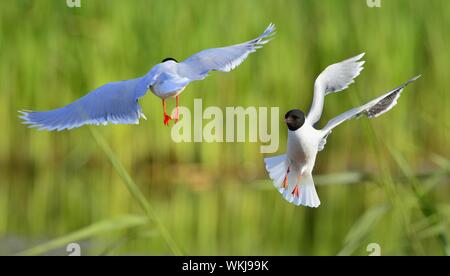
302	147
165	94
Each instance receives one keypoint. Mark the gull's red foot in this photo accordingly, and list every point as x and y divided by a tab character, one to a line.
296	192
167	119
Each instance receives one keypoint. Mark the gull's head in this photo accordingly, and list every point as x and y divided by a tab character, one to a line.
169	59
294	119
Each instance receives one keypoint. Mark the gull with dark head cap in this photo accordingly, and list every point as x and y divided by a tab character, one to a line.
117	102
292	172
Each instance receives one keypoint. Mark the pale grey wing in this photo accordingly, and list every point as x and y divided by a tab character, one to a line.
115	103
223	59
372	109
334	78
144	83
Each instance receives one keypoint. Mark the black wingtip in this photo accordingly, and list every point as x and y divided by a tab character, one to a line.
415	78
410	81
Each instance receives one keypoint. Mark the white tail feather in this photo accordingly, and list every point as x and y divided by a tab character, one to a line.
277	167
306	195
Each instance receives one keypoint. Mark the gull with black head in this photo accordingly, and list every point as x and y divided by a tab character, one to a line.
117	102
292	172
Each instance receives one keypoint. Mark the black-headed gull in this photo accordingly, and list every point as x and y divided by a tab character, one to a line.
117	102
292	172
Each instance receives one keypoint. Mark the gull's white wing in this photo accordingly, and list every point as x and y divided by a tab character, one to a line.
371	109
334	78
223	59
115	103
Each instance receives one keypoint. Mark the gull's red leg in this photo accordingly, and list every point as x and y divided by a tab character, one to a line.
177	109
296	191
285	181
167	118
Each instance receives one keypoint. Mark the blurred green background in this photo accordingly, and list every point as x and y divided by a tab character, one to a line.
381	181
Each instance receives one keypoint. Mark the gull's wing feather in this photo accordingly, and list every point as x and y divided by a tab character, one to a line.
223	59
372	109
334	78
115	103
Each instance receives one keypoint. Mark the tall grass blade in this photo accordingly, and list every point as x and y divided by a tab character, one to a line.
361	229
135	191
427	207
95	229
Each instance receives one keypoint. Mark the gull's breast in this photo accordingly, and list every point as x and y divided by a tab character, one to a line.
303	146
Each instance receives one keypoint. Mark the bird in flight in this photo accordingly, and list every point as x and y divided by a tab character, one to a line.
292	172
117	102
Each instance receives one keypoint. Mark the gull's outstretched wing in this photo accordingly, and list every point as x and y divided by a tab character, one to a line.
334	78
115	103
223	59
371	109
